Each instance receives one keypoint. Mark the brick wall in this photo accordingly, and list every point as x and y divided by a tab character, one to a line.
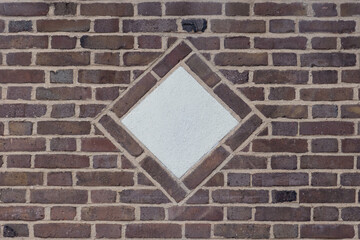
63	63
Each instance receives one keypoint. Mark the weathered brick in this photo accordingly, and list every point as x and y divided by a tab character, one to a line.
61	76
63	127
63	110
22	76
59	196
326	128
350	76
202	70
2	26
284	128
350	43
104	76
62	213
284	59
282	214
240	196
152	25
106	25
324	77
20	128
61	161
350	179
18	59
283	196
103	196
24	9
15	93
107	58
253	231
235	76
109	213
105	161
350	214
280	179
237	26
339	231
238	179
63	58
198	213
22	110
63	25
90	110
280	77
326	94
149	9
19	161
323	43
324	9
107	42
105	178
326	26
23	41
63	42
280	43
107	9
238	213
280	9
282	93
153	230
280	145
284	111
237	9
192	8
326	214
143	196
324	111
285	231
22	144
63	144
16	230
22	213
97	144
197	230
152	213
327	195
326	162
282	26
324	145
140	58
108	231
65	8
59	179
288	162
9	195
350	9
62	230
246	162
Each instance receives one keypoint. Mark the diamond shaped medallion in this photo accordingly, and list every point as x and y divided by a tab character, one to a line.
180	121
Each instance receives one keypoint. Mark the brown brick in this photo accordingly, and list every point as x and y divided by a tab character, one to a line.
324	145
22	213
152	213
142	179
59	179
63	93
18	59
280	179
327	195
107	42
24	9
108	231
284	59
235	76
253	93
253	231
23	41
237	42
280	77
21	178
285	231
323	43
143	196
216	180
282	93
22	76
20	128
9	195
15	93
208	165
282	214
109	213
63	25
323	179
22	144
280	145
63	110
107	58
91	110
149	9
107	9
153	230
326	128
140	58
324	9
65	8
152	25
62	213
200	197
324	111
326	94
149	42
2	26
63	127
163	178
59	196
284	111
326	162
244	131
240	196
339	231
237	9
121	136
288	162
103	196
326	26
104	76
63	144
280	9
62	230
280	43
282	26
205	43
192	8
198	213
106	25
350	9
238	179
16	230
239	213
246	162
105	178
284	128
350	214
237	26
241	59
202	70
350	76
134	94
324	77
97	144
63	42
197	230
326	214
105	161
19	161
350	111
63	58
61	161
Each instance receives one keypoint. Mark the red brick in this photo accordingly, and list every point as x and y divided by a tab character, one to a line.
22	144
23	41
152	213
324	9
350	43
22	213
59	179
143	196
326	128
19	161
21	178
327	195
18	59
280	145
237	26
282	26
63	42
240	196
339	231
107	58
280	43
253	231
59	196
63	127
350	76
61	161
197	231
63	58
284	59
24	9
62	213
280	9
104	76
106	25
216	180
324	145
282	214
149	9
192	8
97	144
326	162
63	144
327	26
108	231
65	8
325	77
62	230
350	9
326	94
201	213
237	9
107	9
323	179
246	162
326	214
280	77
63	25
153	230
323	43
109	213
152	25
22	76
107	42
140	58
103	196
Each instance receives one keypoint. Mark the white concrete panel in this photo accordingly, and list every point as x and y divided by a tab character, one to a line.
179	122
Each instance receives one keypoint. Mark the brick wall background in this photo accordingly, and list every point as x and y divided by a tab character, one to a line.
63	62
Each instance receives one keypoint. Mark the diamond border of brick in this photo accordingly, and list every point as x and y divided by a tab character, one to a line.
182	53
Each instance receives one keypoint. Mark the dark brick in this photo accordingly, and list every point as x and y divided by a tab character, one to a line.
152	213
323	43
59	179
143	196
107	42
288	162
140	58
21	213
239	213
326	214
62	110
22	76
324	111
9	195
282	26
19	161
149	42
22	144
61	161
200	197
23	42
149	9
324	145
63	58
324	9
280	145
285	231
323	179
326	128
235	76
103	196
192	8
63	127
327	195
61	76
62	25
63	144
284	128
24	9
197	230
20	26
280	179
91	110
327	231
202	70
253	231
282	214
280	9
284	59
108	213
350	76
152	25
198	213
284	111
246	162
326	94
107	9
105	178
63	42
241	59
237	26
153	230
327	26
280	77
62	230
325	77
105	161
59	196
65	8
240	196
15	93
237	9
62	213
350	214
16	230
283	196
107	58
108	231
280	43
106	25
326	162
